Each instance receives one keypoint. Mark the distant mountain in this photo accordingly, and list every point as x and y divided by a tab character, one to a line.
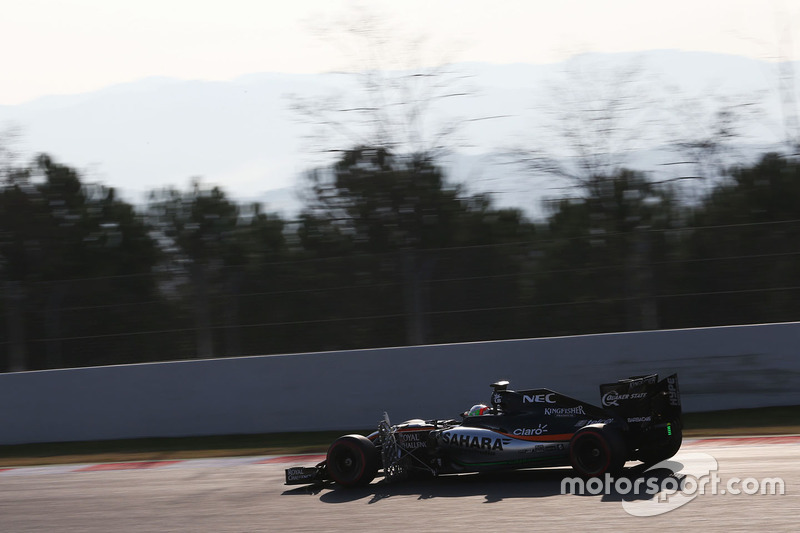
242	134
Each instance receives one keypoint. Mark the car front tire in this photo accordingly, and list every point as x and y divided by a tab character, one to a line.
352	461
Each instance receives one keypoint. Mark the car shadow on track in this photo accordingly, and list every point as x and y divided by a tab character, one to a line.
494	487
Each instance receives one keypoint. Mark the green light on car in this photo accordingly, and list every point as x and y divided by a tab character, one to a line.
669	429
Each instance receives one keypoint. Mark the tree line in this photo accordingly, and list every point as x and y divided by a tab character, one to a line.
386	252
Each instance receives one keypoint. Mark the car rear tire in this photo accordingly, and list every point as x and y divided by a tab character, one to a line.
352	461
597	450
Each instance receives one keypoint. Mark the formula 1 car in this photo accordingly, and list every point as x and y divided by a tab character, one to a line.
640	419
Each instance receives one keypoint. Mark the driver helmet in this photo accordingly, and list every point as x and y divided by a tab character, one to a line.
477	410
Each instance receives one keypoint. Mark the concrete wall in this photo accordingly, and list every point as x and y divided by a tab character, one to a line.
719	368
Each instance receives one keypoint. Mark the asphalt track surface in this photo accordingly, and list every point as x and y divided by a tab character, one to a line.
248	494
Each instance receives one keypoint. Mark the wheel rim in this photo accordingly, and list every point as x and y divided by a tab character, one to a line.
347	463
591	454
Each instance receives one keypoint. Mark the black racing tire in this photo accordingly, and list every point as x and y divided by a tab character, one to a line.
663	450
352	461
597	450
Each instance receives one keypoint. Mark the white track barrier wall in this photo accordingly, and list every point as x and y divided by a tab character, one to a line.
719	368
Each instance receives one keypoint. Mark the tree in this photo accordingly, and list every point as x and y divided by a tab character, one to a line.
405	232
740	258
389	97
390	208
703	133
387	202
198	229
385	197
612	218
254	286
67	249
597	271
595	116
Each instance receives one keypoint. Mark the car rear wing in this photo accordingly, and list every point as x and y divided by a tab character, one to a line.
643	399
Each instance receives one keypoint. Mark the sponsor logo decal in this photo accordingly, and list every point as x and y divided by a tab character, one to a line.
673	392
473	441
546	448
300	473
411	441
640	419
613	397
522	432
539	398
641	381
565	411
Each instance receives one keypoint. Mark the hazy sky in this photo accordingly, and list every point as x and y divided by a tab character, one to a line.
72	46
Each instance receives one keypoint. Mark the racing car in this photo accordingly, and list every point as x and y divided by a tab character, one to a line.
640	419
